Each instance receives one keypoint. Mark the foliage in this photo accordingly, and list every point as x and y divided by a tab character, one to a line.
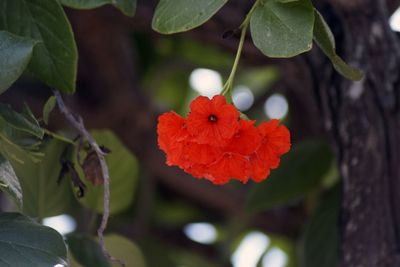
27	243
123	169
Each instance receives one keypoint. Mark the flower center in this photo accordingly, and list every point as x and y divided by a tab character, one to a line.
212	118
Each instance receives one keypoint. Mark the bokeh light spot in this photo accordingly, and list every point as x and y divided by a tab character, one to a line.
243	97
206	82
276	106
275	258
63	224
204	233
250	250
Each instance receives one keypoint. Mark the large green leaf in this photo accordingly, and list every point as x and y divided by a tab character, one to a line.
123	169
43	197
26	243
128	7
326	41
15	53
86	251
301	171
20	122
173	16
124	249
320	242
54	59
9	181
283	29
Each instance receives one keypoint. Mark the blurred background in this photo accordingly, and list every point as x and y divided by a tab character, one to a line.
128	75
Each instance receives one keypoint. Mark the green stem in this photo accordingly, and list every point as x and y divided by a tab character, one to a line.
229	83
59	137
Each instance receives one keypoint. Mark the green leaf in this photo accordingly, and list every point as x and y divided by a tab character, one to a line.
123	169
326	41
15	53
283	29
20	122
9	181
128	7
26	243
86	251
172	16
85	4
48	108
13	151
320	242
300	172
43	197
124	249
54	59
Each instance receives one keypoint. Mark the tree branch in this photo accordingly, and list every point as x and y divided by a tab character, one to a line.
77	123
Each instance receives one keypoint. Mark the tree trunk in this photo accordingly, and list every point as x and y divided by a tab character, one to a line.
363	119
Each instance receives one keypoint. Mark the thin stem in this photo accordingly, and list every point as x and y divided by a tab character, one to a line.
245	24
80	127
59	137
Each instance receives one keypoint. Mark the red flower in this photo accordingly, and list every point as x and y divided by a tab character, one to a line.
213	143
229	166
212	121
275	142
172	133
246	139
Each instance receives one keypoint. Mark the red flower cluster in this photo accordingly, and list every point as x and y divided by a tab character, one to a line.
214	143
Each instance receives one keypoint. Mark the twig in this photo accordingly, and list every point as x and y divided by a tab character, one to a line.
77	123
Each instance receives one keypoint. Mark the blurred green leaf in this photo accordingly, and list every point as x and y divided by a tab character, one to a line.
174	213
124	249
320	242
26	243
283	29
9	181
43	197
20	122
191	259
156	252
86	251
258	79
201	54
326	41
54	59
48	108
301	171
14	151
123	169
172	16
172	89
15	54
128	7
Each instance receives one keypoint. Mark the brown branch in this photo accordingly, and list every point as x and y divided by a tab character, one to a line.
77	123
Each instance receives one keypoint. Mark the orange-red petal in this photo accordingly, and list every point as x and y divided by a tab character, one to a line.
229	166
246	140
213	132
